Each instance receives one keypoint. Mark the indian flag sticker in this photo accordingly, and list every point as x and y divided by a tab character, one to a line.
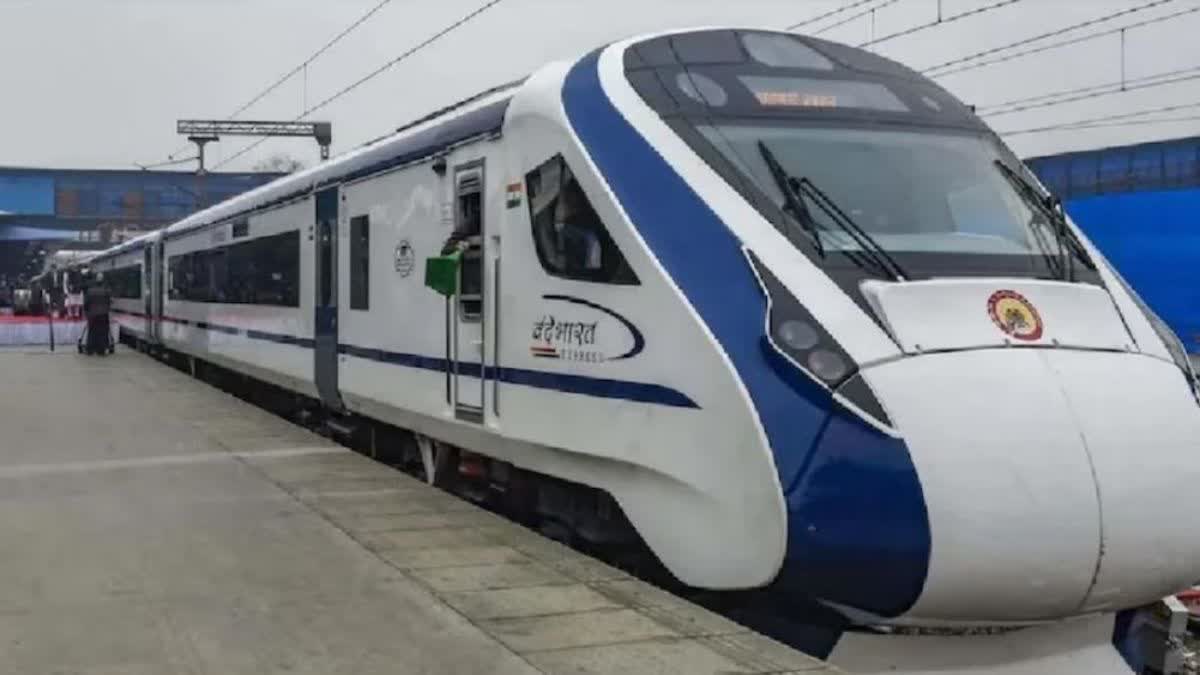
513	195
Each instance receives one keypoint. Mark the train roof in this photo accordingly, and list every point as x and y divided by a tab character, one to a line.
71	256
129	245
479	115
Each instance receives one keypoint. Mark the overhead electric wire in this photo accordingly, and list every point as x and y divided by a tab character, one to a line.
169	162
373	74
940	21
1064	43
1067	92
1099	121
303	64
865	12
315	55
1061	45
1042	36
832	12
1086	93
1127	123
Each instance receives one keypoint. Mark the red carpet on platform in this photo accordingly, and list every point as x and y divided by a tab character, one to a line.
35	330
9	319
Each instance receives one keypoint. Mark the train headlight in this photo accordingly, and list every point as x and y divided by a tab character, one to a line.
828	365
799	335
795	341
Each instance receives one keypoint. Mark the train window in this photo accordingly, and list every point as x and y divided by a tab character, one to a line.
470	204
262	271
125	282
570	238
175	277
360	262
470	293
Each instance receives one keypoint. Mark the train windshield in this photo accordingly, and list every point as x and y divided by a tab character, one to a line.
912	192
914	180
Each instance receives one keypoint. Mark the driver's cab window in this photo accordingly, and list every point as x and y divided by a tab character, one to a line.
570	238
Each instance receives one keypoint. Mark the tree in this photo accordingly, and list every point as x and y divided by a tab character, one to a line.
279	163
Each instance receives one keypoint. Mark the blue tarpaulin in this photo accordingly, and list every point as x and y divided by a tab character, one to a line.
1153	238
1141	205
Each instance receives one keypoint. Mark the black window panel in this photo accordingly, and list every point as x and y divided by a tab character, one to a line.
241	228
175	277
656	52
717	46
125	282
470	292
360	262
652	89
570	238
324	263
783	51
469	218
262	271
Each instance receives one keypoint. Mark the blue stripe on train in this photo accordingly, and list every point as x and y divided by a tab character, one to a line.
640	392
858	529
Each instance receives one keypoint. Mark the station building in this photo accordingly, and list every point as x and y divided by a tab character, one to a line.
46	210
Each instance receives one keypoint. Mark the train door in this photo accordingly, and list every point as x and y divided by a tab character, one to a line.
147	292
325	319
160	290
467	320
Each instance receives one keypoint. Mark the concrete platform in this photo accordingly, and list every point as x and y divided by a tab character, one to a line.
152	525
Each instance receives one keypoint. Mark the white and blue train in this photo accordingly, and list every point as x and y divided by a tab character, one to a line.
791	306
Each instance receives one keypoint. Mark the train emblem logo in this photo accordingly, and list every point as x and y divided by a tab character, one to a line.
406	260
1015	315
574	329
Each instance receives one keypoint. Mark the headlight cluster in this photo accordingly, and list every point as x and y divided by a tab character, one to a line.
794	333
801	338
798	335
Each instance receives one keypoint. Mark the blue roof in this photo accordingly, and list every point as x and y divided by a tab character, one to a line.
1163	165
73	197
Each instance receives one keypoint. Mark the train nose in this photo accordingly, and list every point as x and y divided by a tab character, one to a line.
1054	480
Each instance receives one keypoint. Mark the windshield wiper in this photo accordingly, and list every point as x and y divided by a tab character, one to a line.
794	192
1051	208
865	241
793	200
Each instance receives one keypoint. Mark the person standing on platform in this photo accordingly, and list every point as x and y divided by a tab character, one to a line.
97	302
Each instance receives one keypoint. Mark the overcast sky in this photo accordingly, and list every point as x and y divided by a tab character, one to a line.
100	83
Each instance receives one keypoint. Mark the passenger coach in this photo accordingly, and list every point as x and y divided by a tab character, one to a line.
783	310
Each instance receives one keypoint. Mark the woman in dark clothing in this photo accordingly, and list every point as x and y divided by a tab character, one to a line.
96	305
